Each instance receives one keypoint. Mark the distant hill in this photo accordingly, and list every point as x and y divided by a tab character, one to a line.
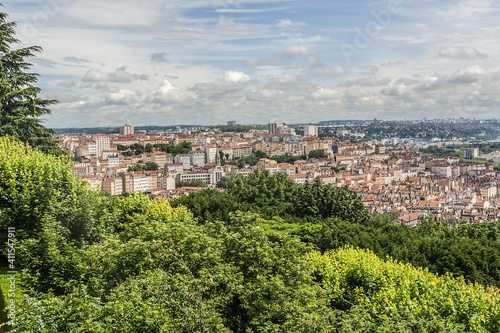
116	130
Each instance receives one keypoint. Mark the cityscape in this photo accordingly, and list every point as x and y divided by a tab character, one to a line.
390	175
219	166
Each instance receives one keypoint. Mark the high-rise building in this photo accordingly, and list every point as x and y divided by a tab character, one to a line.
231	123
310	130
275	128
102	143
470	153
127	129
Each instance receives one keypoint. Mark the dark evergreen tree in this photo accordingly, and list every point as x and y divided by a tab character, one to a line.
20	104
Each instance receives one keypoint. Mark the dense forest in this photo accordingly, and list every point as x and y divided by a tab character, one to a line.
267	255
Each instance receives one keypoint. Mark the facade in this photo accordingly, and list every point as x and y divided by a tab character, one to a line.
102	144
197	158
184	160
470	153
215	174
275	128
211	154
310	130
127	129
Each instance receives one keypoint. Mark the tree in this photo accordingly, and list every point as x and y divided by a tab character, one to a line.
316	154
20	106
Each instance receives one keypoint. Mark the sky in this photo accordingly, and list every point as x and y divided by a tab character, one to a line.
157	62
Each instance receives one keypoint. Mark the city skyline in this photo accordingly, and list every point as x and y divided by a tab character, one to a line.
206	62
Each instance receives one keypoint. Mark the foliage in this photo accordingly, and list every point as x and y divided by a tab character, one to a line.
277	195
34	187
386	288
209	205
138	149
235	261
316	154
149	166
192	183
20	106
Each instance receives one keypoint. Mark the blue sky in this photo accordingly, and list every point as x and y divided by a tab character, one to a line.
206	62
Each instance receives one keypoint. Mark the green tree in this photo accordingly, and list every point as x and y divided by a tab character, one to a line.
193	182
20	106
316	154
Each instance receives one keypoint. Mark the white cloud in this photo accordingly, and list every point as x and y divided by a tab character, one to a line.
326	94
468	75
118	76
296	51
366	82
68	83
287	24
122	96
460	52
233	76
166	93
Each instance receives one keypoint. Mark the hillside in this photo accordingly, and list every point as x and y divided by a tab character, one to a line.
268	256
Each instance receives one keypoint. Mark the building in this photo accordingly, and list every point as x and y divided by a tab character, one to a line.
275	128
101	144
197	158
215	174
310	130
184	159
470	153
231	123
211	154
127	129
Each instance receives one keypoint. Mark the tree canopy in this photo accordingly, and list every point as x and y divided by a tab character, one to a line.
20	104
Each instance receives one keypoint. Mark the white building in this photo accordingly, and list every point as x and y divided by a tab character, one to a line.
102	143
211	154
139	183
197	158
441	170
184	160
127	129
215	174
310	130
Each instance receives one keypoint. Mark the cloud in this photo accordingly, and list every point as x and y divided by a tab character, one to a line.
68	83
287	24
460	52
296	51
468	75
45	63
122	97
261	62
314	61
326	94
233	76
368	70
366	82
330	71
75	60
166	93
233	82
120	75
64	97
159	57
396	90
